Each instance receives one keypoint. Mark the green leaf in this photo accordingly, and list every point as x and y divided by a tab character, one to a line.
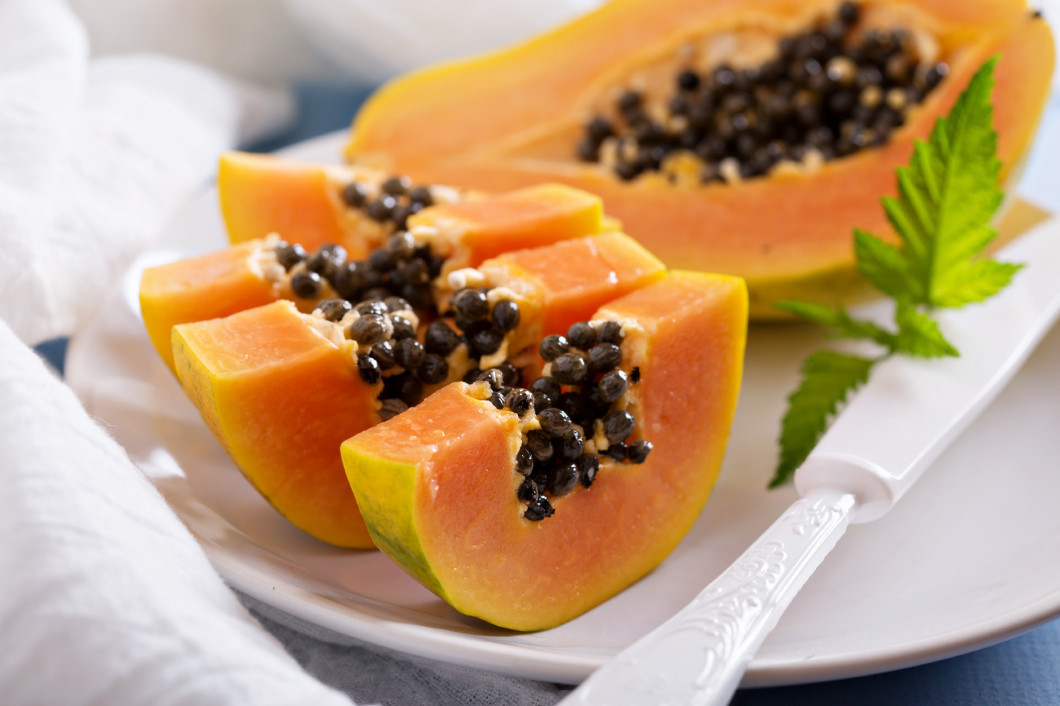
976	281
947	196
827	378
885	267
839	320
919	335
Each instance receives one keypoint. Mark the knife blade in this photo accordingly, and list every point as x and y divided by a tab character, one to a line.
884	439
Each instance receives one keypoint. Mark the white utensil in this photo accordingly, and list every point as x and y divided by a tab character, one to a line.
890	432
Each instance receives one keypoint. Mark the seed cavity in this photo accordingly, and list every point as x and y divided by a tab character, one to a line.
827	92
555	415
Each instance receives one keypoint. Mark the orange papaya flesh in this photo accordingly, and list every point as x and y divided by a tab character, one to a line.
560	284
789	232
572	279
304	203
281	388
204	287
263	371
468	232
214	285
245	275
437	485
261	194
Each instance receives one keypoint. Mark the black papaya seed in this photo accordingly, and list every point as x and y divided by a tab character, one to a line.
334	309
563	478
409	353
570	369
617	451
368	368
470	304
396	185
405	387
553	346
432	369
368	330
638	451
505	315
588	465
494	377
527	491
524	460
440	338
384	354
554	421
540	444
512	376
354	195
618	425
519	401
547	387
306	284
604	357
289	254
581	335
391	407
612	385
569	446
485	341
539	509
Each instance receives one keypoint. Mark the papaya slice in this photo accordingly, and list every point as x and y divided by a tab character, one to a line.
203	287
316	204
442	238
746	137
281	389
445	489
281	397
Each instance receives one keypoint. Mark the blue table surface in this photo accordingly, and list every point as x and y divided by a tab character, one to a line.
1024	669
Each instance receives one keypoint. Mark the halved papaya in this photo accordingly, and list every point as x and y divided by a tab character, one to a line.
446	492
281	389
742	136
266	195
315	204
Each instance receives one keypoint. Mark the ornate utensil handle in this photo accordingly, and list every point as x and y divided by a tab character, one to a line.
699	656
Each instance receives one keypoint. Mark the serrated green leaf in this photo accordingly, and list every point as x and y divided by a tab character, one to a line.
947	196
884	266
975	281
841	323
827	378
919	334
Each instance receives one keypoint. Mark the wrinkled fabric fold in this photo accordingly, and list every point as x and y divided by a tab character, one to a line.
95	156
105	598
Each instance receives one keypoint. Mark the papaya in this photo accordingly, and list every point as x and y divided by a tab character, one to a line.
316	204
746	137
267	196
447	492
281	388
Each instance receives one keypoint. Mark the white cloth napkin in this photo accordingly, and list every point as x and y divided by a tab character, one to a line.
104	596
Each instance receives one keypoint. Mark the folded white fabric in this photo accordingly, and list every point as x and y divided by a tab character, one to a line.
105	598
94	156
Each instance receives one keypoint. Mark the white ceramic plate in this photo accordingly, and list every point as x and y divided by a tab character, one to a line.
969	557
